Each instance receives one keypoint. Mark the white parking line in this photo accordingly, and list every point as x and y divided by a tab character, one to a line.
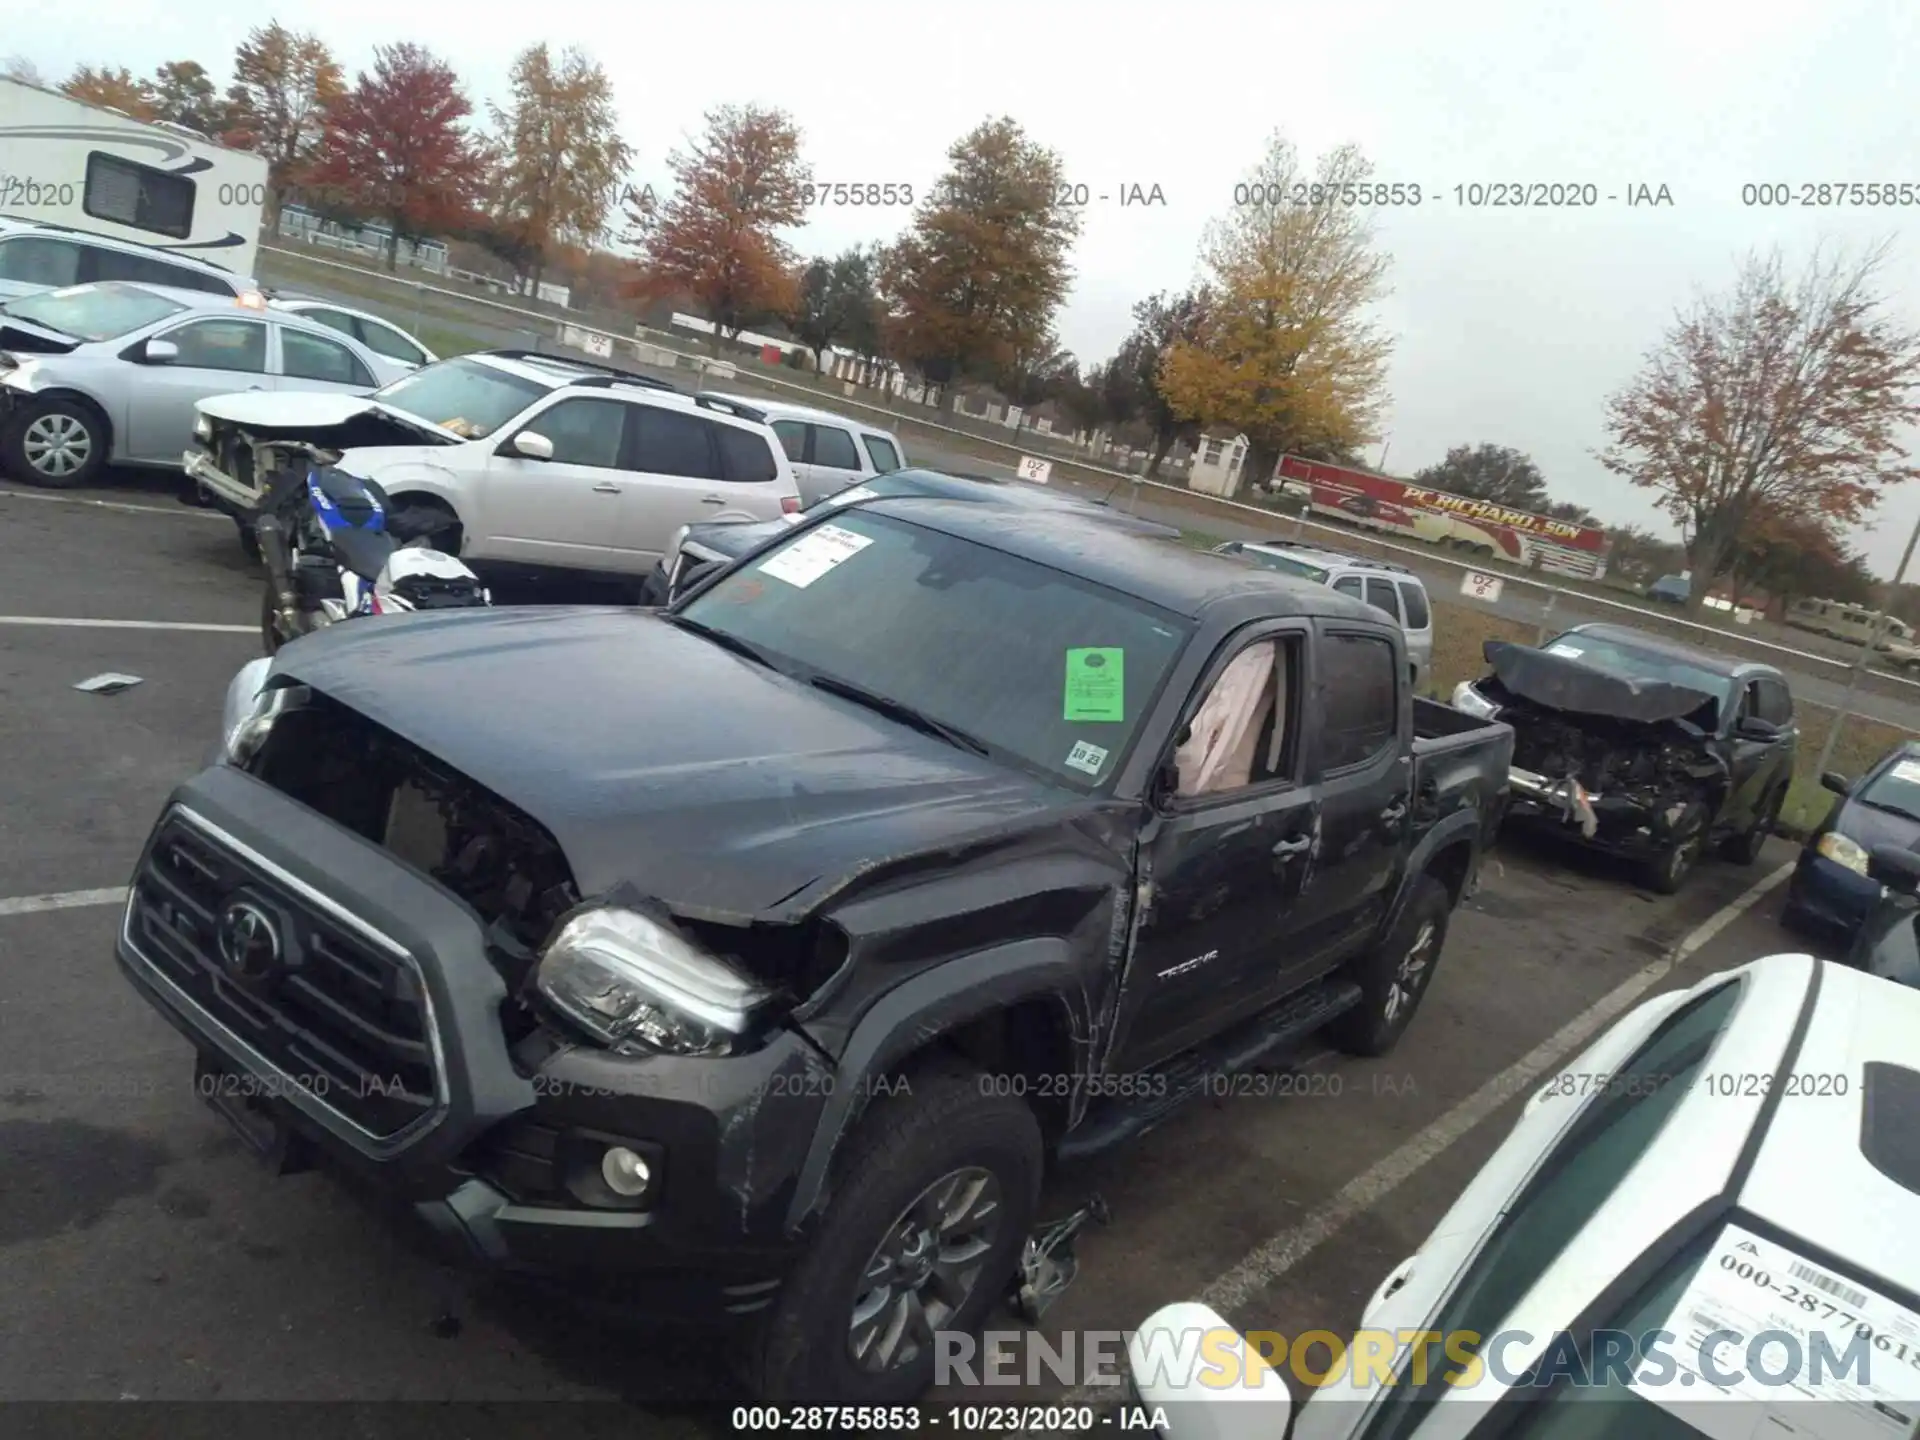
83	624
192	511
1252	1275
65	900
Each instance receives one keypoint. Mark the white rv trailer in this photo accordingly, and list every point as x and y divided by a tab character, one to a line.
90	168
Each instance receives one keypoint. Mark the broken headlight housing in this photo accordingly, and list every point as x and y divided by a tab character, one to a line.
1842	851
626	978
251	709
1470	701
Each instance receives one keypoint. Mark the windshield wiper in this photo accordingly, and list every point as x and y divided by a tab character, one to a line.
723	639
1885	808
901	711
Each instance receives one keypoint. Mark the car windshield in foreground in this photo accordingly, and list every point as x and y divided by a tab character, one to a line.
92	312
982	648
1600	1148
1286	565
1896	789
1635	662
465	396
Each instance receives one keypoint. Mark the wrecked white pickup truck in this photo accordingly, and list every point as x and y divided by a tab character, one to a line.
1641	746
752	956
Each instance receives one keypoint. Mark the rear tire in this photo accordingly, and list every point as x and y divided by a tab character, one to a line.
1394	976
56	444
1745	849
949	1123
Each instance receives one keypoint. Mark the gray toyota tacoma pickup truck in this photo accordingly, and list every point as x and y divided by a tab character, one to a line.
750	960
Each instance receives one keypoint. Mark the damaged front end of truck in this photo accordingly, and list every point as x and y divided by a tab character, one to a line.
1631	765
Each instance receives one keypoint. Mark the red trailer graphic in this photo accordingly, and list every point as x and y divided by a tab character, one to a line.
1378	502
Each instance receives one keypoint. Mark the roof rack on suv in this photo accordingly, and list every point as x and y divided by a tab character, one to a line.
598	372
730	407
1359	562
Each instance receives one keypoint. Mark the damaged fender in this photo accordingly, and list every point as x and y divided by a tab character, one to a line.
920	1010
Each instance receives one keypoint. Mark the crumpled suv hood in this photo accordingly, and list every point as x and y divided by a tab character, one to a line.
1560	682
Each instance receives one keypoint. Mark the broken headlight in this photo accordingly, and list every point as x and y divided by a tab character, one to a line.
251	709
622	976
1842	851
1470	701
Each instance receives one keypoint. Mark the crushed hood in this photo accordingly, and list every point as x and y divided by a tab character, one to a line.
25	339
328	419
1560	682
657	758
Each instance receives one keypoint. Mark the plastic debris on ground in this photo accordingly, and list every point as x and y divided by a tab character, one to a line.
108	684
1047	1262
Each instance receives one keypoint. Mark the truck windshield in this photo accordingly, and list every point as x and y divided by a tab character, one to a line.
464	396
1636	662
92	312
1896	789
1043	669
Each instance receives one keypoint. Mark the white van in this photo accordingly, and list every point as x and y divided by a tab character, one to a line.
85	167
1852	623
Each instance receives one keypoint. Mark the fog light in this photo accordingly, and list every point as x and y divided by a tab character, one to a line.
627	1174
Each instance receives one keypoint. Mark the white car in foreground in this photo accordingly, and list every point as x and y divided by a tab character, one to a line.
1735	1166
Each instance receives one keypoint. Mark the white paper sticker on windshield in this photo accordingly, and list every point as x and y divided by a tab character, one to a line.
1572	652
1087	757
1907	770
813	555
1768	1342
850	494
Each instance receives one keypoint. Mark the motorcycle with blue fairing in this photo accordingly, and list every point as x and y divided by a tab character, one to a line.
334	548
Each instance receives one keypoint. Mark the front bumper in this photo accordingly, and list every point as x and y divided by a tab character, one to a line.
1606	822
478	1141
1828	893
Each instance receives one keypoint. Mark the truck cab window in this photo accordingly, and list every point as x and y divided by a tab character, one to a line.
1358	707
1240	734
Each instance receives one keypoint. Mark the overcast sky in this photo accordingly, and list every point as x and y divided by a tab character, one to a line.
1512	325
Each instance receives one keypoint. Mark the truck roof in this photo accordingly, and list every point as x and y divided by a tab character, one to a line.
1158	570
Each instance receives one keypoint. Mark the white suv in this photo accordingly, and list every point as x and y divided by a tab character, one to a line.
828	452
540	462
1392	588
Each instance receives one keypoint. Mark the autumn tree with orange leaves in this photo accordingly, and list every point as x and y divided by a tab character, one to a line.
716	241
117	89
1781	402
284	80
395	146
972	287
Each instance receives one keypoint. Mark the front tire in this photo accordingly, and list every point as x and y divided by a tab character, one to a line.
56	445
1667	872
923	1234
1394	975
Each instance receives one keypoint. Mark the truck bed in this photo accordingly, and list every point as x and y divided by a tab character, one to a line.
1460	761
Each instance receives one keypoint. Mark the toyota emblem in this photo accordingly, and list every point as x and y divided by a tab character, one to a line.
249	940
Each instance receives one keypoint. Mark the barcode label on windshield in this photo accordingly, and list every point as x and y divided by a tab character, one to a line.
1820	1280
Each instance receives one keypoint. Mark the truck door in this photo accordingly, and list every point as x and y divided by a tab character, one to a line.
1361	769
1222	856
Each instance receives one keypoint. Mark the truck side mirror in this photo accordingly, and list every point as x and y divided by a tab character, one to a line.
1836	782
1895	867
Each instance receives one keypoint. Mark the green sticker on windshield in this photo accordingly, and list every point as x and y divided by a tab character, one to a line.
1096	684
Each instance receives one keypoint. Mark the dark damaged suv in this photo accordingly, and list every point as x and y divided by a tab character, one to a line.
1642	747
747	960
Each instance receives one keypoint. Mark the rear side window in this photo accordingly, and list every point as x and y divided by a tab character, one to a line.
675	444
106	264
1419	617
1349	585
1359	709
387	341
883	453
1776	703
1380	595
138	196
314	357
793	439
35	260
745	456
834	449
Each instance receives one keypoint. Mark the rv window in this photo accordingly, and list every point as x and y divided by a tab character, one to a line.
139	196
34	260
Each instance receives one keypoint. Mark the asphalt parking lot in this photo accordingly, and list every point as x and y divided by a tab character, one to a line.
144	1255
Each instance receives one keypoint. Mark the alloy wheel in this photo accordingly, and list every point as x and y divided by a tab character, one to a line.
925	1269
1411	974
56	445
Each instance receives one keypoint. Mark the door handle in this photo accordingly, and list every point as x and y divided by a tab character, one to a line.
713	500
606	488
1293	847
1394	813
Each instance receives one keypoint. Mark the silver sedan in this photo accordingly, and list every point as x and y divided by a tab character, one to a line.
101	374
